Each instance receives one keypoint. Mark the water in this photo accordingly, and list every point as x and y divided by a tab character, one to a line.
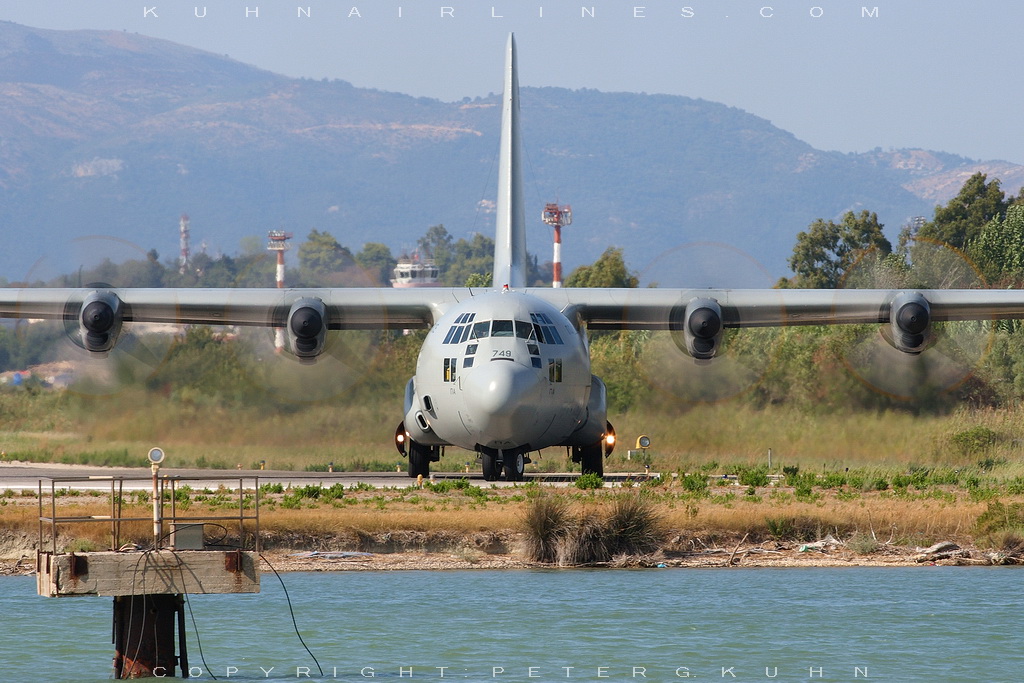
892	624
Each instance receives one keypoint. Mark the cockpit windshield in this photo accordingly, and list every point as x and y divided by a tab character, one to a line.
502	328
492	328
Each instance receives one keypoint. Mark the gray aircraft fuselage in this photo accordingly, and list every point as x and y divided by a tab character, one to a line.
503	371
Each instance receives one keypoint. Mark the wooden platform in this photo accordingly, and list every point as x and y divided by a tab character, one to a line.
147	573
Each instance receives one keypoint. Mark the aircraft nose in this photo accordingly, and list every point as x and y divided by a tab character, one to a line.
504	397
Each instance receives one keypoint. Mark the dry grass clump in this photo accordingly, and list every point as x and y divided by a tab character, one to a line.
554	534
585	543
634	526
547	522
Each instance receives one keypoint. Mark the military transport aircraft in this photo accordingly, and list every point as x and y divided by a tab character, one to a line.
506	371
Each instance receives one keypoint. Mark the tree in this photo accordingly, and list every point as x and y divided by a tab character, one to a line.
998	250
480	280
377	261
609	270
962	219
469	257
827	250
437	245
322	259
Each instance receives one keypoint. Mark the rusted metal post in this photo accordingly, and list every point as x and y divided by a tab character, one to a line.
144	642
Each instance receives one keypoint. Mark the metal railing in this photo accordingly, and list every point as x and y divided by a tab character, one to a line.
164	495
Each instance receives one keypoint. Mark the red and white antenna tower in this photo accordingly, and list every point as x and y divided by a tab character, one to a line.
277	240
557	216
184	232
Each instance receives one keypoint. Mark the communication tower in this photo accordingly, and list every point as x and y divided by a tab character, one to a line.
557	216
277	240
183	229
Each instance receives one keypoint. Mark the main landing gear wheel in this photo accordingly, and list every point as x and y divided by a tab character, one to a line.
491	468
514	467
592	459
419	460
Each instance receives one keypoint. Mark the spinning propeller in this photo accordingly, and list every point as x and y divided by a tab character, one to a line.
105	351
102	351
935	356
304	360
697	359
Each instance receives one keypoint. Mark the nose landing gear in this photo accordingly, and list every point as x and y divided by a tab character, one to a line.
512	464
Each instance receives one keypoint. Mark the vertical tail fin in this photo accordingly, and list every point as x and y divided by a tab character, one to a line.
510	231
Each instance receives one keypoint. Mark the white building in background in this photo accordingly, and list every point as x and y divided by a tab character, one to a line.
413	271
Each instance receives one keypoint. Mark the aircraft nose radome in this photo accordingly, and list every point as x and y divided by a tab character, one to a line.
503	396
499	386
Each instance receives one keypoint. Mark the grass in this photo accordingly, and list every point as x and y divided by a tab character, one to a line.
358	435
546	521
887	475
624	525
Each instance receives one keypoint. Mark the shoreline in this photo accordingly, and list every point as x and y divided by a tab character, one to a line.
763	555
457	525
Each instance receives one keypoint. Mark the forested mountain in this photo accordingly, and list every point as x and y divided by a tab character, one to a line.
113	133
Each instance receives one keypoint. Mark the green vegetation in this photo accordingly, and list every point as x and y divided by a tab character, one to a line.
589	482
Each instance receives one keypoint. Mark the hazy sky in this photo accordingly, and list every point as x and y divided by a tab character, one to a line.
842	75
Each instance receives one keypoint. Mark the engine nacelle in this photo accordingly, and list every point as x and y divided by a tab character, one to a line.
701	326
99	322
909	322
307	329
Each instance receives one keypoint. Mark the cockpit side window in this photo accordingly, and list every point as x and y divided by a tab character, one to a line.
481	330
546	331
523	330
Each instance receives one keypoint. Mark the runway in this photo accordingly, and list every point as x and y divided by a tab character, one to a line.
20	476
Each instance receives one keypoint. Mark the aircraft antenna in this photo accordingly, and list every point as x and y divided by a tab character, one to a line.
277	240
557	217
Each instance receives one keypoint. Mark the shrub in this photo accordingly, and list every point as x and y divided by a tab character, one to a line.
546	521
999	517
449	485
753	476
697	483
333	492
863	544
589	481
793	528
311	491
585	543
833	480
633	527
291	501
1010	542
780	528
974	441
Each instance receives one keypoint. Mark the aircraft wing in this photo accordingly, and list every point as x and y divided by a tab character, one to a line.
664	308
356	308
